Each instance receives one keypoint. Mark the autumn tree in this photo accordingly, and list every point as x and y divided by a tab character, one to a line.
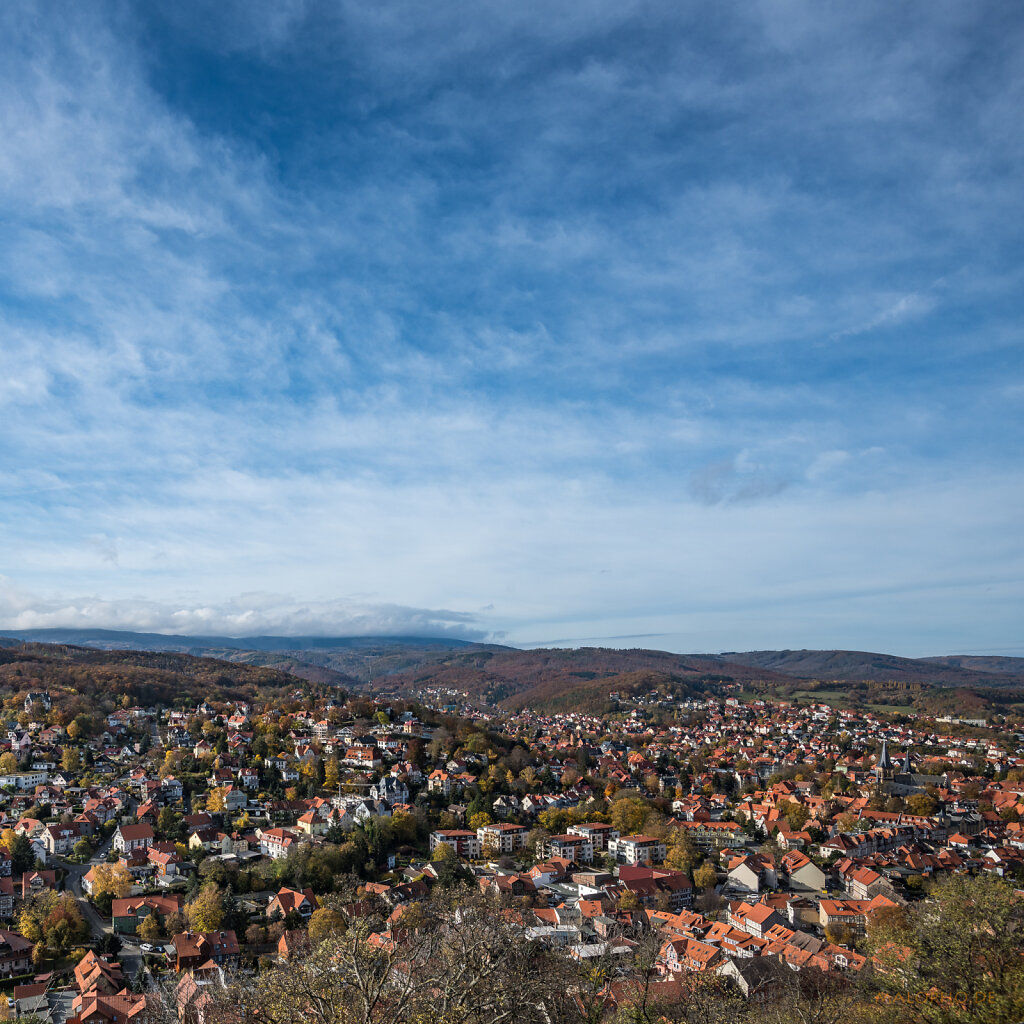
705	877
325	923
956	954
629	900
175	923
149	930
331	773
114	880
682	853
54	920
168	820
628	815
18	846
206	912
796	815
921	803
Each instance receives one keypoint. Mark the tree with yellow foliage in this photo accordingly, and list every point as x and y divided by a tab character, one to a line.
215	801
628	815
324	923
114	879
150	930
206	912
168	766
705	876
629	900
682	854
8	763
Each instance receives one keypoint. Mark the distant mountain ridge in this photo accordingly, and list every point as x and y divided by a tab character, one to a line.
117	639
951	670
981	663
347	661
542	677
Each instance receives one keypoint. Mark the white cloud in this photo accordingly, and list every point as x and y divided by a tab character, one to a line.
825	462
244	615
906	307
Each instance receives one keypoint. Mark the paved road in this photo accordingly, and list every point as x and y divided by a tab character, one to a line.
130	956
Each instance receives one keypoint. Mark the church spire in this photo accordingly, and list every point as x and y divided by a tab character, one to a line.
884	765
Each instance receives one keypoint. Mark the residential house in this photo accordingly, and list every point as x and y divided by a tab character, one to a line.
288	901
133	837
15	954
801	872
752	873
276	842
128	914
197	949
59	839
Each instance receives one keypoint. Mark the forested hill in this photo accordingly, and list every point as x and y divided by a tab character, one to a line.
544	679
145	677
981	663
332	660
566	679
864	665
583	678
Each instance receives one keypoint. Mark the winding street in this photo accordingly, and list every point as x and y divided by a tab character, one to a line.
130	955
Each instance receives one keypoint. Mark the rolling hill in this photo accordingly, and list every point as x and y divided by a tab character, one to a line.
981	663
145	676
555	679
337	661
864	665
566	678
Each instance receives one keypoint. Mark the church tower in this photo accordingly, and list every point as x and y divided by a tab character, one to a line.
883	767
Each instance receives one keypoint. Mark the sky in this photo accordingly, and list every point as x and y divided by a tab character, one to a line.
678	325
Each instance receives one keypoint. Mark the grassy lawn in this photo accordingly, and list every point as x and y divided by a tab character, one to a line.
837	698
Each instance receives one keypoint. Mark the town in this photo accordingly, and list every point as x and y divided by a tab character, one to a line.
153	854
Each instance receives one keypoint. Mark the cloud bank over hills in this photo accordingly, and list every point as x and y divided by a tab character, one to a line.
246	615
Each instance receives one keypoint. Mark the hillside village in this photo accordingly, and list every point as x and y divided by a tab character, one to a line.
164	848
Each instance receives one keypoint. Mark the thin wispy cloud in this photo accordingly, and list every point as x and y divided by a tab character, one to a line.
450	306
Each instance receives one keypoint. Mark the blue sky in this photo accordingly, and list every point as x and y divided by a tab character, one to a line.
691	326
